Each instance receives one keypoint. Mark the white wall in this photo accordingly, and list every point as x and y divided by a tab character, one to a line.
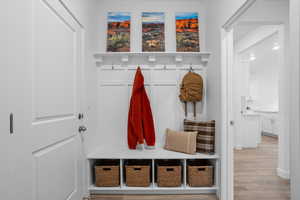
258	79
136	7
105	133
263	73
263	86
218	13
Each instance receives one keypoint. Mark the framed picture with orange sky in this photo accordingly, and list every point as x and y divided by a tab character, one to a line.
187	32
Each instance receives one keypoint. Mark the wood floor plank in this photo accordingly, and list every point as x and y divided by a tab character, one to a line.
255	173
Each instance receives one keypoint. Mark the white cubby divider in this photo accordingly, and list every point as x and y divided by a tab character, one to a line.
121	173
153	173
184	173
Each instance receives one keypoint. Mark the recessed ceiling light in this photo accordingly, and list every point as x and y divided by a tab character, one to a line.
276	46
252	57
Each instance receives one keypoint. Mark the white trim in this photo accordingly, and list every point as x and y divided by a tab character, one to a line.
283	173
294	98
226	138
229	23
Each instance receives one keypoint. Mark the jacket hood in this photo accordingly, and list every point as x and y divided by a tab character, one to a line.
138	80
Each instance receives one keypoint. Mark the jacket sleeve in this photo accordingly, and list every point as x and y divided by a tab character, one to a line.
135	120
131	137
148	122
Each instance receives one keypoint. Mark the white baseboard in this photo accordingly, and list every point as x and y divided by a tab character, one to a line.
283	173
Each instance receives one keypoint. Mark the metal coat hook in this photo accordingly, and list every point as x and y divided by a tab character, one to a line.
191	68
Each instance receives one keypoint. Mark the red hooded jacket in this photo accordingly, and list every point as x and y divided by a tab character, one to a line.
140	120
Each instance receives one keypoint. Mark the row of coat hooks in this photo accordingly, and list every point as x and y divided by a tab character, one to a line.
165	67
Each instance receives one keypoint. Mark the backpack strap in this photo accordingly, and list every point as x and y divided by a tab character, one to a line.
195	103
185	108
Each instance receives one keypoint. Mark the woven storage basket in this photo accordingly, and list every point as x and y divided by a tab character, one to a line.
200	175
107	176
169	174
138	173
137	176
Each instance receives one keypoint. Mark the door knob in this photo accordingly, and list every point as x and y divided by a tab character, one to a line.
80	116
82	129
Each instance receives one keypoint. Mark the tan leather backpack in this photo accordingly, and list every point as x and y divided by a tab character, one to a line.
191	89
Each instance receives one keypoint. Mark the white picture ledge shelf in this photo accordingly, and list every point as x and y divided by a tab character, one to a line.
152	57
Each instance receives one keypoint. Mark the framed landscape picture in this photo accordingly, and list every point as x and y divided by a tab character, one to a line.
118	32
153	31
187	32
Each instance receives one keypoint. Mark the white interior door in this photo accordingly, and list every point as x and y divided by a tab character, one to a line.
15	168
56	72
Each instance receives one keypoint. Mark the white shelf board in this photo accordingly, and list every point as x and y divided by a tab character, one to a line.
158	153
151	190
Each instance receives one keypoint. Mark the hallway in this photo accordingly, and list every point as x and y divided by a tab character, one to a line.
255	173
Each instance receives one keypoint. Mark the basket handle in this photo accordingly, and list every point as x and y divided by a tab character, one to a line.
170	169
106	169
137	169
201	169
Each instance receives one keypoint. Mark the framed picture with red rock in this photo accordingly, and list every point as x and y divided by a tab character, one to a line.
187	32
118	32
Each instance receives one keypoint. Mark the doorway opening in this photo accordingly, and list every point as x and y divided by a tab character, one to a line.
255	48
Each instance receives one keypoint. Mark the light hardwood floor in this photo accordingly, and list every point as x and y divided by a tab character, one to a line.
255	173
255	178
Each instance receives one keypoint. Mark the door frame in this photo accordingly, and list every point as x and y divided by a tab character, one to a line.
226	116
294	34
227	187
